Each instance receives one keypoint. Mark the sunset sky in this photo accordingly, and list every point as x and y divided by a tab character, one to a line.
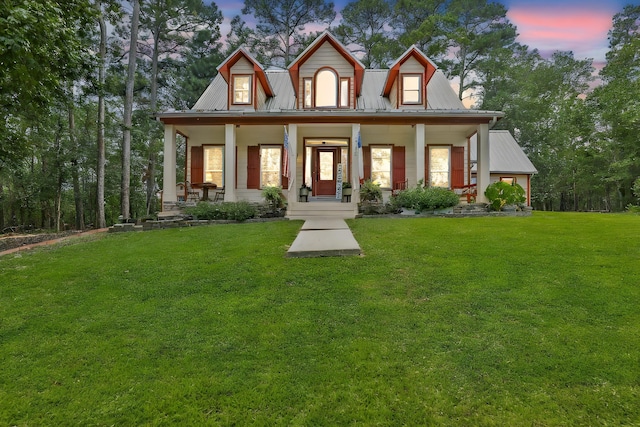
547	25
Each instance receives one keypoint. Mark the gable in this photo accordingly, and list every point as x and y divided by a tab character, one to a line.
319	45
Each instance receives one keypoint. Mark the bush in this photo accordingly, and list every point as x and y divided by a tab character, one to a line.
274	197
370	192
234	211
426	198
500	194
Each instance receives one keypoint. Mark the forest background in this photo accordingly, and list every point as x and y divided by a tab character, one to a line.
81	80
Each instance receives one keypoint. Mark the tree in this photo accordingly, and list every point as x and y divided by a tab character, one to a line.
543	101
363	25
280	24
619	106
42	45
167	28
128	112
480	31
422	22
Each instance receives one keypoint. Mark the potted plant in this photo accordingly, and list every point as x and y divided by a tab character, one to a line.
303	194
346	191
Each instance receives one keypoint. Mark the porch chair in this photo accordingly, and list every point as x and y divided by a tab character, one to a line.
219	197
469	191
398	186
192	194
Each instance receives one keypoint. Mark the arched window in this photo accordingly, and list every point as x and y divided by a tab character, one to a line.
326	88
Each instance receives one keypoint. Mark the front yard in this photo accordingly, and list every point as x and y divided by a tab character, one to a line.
471	321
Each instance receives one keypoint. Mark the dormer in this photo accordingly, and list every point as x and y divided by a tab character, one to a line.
326	76
406	83
248	86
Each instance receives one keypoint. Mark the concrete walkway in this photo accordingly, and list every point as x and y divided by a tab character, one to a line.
324	237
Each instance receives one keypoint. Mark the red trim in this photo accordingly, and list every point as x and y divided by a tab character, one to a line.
429	71
225	70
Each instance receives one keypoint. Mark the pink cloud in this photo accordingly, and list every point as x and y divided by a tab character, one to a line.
583	32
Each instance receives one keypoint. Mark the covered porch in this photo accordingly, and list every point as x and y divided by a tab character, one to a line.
243	156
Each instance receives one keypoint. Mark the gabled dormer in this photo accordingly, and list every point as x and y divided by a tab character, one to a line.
248	86
326	76
406	83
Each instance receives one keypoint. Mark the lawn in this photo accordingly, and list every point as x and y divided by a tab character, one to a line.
477	321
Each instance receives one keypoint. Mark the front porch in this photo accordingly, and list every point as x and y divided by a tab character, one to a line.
240	159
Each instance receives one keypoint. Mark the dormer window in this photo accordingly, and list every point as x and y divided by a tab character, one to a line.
242	89
411	89
326	89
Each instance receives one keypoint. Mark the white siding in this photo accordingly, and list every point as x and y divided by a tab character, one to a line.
326	56
411	65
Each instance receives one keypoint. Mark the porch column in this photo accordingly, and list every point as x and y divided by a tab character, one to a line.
229	163
292	196
357	160
169	165
420	153
483	175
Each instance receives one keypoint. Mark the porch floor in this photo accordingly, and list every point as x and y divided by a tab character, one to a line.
322	238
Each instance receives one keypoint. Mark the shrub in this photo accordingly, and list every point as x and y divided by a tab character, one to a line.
370	192
501	193
235	211
636	188
273	196
426	198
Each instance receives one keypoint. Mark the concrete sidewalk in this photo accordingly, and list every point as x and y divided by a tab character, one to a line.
324	237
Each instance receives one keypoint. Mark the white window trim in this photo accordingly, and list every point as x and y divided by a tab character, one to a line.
431	170
419	90
280	148
235	90
390	148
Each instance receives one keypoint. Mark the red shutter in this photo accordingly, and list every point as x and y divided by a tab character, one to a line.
457	167
197	165
285	180
426	167
399	174
366	162
253	167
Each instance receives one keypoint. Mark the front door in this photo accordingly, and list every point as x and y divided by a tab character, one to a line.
325	170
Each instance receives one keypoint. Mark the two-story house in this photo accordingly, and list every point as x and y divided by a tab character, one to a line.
409	122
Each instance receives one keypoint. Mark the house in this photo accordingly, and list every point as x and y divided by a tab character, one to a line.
507	161
340	122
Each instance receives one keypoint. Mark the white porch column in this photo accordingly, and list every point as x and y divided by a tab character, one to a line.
169	165
483	175
420	153
355	157
229	163
292	195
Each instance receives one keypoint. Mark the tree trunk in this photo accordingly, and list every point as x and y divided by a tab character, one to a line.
77	192
128	113
100	170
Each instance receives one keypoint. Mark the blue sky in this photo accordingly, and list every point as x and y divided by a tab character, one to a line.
547	25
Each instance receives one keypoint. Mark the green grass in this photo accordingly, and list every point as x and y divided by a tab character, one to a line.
480	321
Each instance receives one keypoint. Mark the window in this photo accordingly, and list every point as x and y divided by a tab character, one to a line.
439	166
242	89
326	88
381	166
307	93
270	162
411	89
214	164
508	179
344	92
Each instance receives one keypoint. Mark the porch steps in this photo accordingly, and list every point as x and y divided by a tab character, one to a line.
322	210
